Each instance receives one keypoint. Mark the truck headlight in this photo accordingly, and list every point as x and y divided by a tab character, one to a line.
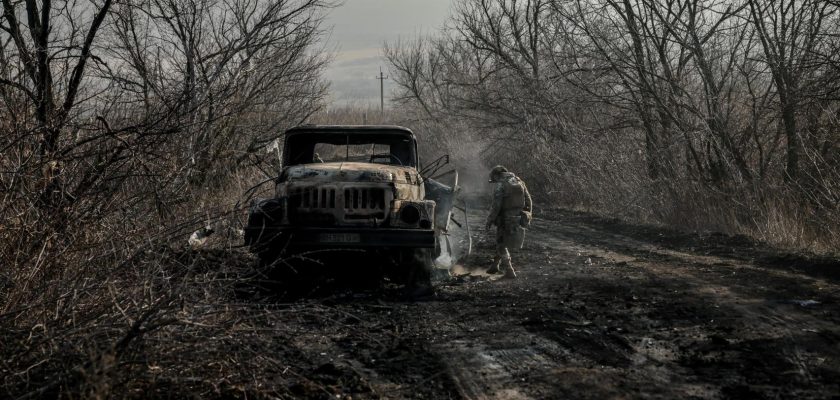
410	214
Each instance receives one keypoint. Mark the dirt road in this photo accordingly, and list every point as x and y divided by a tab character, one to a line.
601	310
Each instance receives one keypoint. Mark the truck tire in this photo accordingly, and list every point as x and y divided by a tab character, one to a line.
263	214
418	282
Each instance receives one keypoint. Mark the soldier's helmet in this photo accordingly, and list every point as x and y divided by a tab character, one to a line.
496	172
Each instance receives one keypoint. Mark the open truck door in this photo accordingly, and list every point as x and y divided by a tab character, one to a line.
441	185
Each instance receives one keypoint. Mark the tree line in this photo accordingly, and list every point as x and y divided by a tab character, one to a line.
124	126
117	110
655	109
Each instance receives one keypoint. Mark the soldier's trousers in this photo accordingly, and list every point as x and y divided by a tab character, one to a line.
509	236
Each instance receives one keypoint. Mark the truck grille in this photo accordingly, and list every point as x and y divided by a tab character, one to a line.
338	204
313	198
357	199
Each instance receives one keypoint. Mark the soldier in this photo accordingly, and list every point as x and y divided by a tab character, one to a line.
511	213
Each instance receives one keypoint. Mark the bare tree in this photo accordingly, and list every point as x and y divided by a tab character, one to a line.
791	33
691	91
124	125
236	71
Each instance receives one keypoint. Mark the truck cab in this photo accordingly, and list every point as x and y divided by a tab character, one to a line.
346	187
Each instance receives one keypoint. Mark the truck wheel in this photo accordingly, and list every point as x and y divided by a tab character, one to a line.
419	280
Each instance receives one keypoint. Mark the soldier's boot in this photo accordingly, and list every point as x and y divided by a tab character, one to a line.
509	272
494	269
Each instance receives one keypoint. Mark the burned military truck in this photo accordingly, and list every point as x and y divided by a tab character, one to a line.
350	187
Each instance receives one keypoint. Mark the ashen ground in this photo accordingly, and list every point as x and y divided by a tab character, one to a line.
601	309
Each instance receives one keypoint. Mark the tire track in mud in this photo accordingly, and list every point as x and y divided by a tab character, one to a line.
711	278
673	357
596	313
518	368
482	371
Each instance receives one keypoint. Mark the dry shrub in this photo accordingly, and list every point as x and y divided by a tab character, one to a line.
116	308
352	114
611	107
102	181
605	173
169	323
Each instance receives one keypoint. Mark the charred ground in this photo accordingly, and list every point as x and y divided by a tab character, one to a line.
601	309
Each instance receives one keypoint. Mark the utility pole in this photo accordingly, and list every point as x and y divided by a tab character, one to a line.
382	79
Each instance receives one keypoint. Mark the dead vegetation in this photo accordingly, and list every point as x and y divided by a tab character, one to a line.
703	114
171	323
126	126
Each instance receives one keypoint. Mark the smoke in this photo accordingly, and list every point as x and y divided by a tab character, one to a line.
454	254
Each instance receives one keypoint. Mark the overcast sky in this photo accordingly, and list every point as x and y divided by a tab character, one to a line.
359	27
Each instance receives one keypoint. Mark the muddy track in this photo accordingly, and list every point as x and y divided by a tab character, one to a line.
600	310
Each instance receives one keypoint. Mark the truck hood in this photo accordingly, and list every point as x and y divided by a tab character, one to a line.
350	172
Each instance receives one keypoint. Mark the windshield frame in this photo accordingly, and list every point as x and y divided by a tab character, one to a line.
300	142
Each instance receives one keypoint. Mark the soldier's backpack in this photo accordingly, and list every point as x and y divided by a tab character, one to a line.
515	201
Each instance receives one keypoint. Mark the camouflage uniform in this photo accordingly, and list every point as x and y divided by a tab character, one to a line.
510	199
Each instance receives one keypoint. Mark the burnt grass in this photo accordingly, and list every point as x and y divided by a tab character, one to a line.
601	309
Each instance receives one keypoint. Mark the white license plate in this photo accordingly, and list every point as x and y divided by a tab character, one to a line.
339	238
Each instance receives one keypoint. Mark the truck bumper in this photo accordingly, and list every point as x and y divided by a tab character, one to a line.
341	237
